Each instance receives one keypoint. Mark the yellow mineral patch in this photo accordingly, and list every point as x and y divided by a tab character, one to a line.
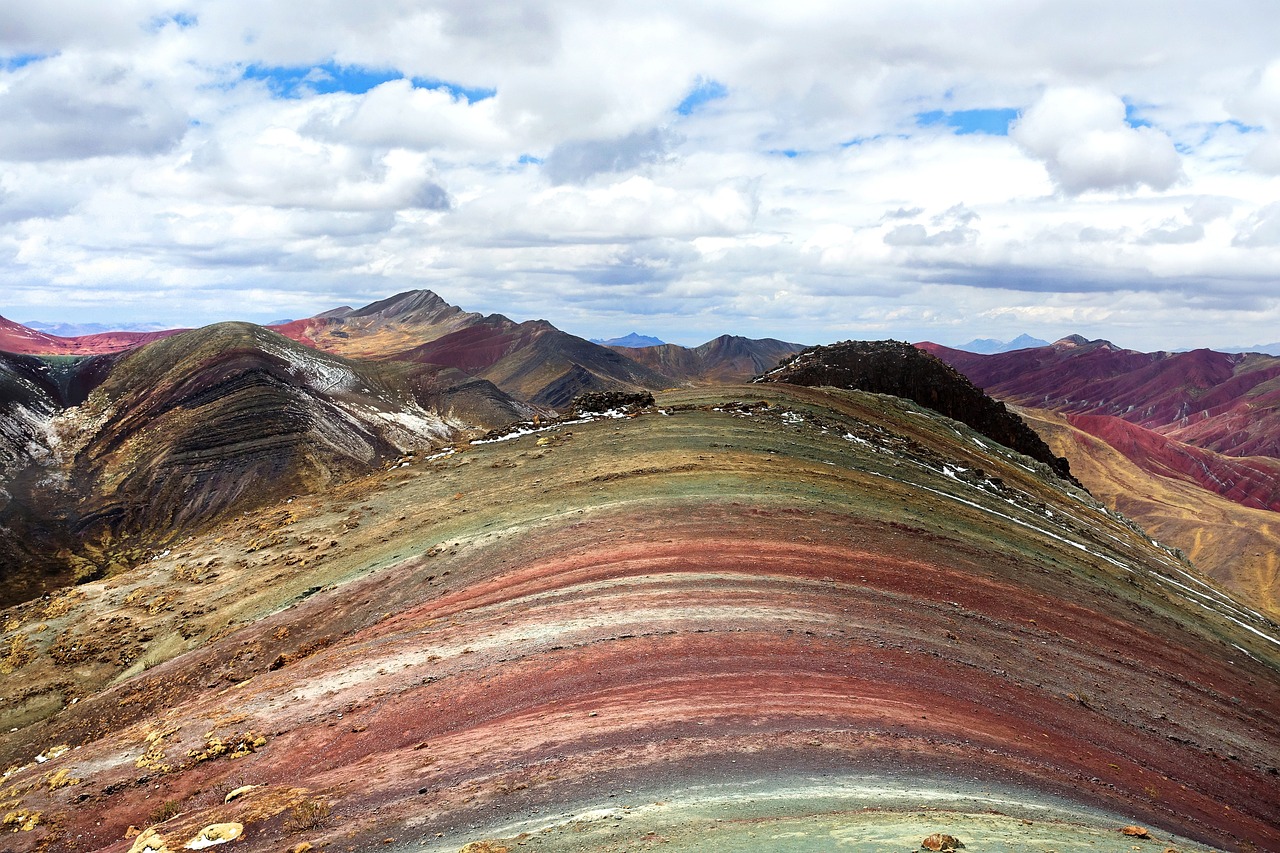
60	779
215	834
22	820
150	841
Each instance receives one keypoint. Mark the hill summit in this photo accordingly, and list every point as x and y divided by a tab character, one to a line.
898	368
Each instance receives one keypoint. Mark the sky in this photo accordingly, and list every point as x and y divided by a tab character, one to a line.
811	171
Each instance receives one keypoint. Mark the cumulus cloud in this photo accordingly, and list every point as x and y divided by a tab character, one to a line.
74	106
1085	143
575	161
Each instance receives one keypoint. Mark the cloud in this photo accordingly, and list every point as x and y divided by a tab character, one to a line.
1260	105
1173	233
1261	229
1085	143
575	161
73	106
587	161
916	235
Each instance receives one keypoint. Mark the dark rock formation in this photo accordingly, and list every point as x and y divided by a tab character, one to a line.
897	368
604	401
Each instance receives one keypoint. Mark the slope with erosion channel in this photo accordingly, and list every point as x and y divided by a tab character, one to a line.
535	361
1238	546
790	613
221	420
1228	403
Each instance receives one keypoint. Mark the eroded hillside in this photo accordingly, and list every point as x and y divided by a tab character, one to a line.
758	616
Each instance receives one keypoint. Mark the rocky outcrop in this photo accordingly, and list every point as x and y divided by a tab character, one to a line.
897	368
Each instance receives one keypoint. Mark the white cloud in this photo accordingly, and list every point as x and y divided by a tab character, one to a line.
1261	229
809	202
77	105
1085	143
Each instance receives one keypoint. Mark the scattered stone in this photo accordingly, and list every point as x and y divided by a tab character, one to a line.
939	841
1135	832
215	834
604	401
300	847
485	847
240	792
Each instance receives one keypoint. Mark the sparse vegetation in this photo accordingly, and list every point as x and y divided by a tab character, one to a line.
166	810
308	814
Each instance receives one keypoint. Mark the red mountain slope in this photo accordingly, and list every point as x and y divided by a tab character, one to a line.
1225	402
17	338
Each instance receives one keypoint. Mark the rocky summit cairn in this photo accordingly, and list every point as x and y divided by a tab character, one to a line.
609	401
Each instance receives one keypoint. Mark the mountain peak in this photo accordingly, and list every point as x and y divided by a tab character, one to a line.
900	369
1073	341
403	304
634	340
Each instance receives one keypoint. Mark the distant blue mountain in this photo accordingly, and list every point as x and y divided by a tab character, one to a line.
633	340
990	346
1269	349
75	330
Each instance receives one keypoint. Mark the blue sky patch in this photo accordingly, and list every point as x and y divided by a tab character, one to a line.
456	91
789	153
9	63
1131	116
992	122
526	159
329	77
703	91
296	81
182	20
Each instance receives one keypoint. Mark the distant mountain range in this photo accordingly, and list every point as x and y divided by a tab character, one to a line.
72	330
988	346
1268	349
373	580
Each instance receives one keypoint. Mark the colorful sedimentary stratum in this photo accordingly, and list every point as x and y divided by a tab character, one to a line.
754	618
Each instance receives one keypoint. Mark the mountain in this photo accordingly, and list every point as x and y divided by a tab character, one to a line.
900	369
1268	349
419	327
630	341
738	619
72	330
115	457
1206	419
1227	403
387	326
989	346
726	359
534	361
18	339
1236	545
